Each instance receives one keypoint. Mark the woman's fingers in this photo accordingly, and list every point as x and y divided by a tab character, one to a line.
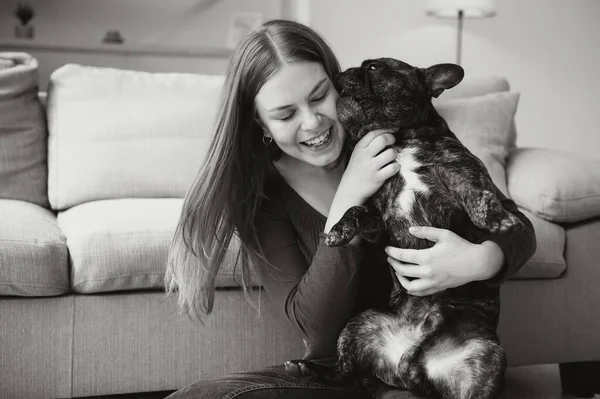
368	138
379	143
417	287
407	269
388	171
387	156
429	233
406	255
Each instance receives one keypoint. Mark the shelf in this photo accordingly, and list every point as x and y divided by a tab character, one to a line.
118	49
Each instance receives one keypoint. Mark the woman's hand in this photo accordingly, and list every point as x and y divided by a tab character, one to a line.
451	262
368	168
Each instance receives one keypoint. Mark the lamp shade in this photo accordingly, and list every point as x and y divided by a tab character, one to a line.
470	8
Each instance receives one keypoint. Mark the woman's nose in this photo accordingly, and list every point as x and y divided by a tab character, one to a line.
310	119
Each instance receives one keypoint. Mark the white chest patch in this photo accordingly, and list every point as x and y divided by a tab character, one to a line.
412	181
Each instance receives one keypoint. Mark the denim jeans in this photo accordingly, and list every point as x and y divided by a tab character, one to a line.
276	383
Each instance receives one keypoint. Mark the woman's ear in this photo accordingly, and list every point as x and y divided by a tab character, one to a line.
260	123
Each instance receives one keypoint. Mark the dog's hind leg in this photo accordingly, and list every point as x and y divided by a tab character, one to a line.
471	188
473	369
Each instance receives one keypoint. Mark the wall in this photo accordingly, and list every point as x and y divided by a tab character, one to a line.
180	23
548	49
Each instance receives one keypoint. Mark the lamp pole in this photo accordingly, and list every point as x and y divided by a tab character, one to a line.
459	36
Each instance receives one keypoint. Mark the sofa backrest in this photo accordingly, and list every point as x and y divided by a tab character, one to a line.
23	135
126	134
130	134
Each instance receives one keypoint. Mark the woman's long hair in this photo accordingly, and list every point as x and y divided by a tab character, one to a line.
228	190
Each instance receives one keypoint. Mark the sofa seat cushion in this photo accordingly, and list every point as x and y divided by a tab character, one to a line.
123	244
34	259
548	260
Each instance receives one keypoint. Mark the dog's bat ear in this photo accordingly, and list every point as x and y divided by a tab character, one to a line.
440	77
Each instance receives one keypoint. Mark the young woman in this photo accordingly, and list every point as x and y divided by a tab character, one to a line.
278	177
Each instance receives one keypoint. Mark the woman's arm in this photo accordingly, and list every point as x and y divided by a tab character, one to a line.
454	261
317	296
518	247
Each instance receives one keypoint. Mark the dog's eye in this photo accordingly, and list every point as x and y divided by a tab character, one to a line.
373	66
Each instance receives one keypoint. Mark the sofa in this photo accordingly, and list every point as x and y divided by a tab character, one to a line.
93	171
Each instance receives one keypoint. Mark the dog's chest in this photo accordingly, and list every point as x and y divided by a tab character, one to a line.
412	180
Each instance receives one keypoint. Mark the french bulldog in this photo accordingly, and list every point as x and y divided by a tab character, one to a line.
443	345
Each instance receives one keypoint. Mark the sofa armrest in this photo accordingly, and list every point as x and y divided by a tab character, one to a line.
555	185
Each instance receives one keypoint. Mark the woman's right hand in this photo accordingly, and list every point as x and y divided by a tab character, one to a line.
369	167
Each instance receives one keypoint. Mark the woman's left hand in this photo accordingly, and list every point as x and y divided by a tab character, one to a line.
451	262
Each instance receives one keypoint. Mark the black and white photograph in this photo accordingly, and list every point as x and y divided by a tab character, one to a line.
299	199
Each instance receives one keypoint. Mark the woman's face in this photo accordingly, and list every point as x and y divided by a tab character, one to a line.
296	107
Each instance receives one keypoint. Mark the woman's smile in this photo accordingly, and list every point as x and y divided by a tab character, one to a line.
320	141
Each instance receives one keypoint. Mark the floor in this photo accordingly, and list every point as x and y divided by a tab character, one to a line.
528	382
535	382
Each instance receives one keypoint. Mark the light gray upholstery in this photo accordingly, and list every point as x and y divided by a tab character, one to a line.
33	251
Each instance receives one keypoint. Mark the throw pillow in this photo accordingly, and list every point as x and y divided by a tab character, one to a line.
23	134
484	124
555	185
126	134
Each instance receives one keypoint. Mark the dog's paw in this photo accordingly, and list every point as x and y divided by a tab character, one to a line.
297	368
303	369
504	223
431	322
488	214
340	234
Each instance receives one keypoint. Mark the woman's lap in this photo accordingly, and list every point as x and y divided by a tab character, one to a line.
274	382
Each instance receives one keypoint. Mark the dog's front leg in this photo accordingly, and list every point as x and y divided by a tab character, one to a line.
358	220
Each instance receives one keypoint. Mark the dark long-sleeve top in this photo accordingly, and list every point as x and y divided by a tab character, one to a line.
319	288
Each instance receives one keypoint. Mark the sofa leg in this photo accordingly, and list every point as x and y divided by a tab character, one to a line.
581	379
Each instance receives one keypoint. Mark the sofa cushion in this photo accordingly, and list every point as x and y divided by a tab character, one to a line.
126	134
484	124
555	185
548	261
34	259
23	135
123	244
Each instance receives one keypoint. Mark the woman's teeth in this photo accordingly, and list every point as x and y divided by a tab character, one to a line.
320	140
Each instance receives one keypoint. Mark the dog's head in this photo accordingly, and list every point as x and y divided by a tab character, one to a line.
387	93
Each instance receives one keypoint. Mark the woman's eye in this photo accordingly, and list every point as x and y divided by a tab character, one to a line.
317	99
287	118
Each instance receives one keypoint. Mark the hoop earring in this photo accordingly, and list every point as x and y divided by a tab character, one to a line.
270	140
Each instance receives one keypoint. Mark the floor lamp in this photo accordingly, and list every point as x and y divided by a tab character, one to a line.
460	9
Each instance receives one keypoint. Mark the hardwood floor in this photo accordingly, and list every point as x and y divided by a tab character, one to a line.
535	382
